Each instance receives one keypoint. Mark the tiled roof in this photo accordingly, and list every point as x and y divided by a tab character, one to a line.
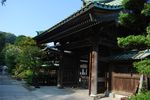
131	55
142	54
106	4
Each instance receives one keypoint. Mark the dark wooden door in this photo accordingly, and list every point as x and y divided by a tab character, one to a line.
102	77
70	71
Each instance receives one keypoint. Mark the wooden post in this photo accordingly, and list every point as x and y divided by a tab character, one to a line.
59	79
78	70
90	70
60	72
94	71
141	83
146	82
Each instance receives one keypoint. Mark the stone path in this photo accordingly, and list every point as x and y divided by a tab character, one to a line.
14	90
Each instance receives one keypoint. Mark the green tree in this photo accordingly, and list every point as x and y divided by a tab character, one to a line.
5	38
132	42
136	17
10	53
132	17
30	54
23	56
143	67
27	59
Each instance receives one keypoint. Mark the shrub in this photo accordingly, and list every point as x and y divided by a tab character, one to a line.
141	96
29	76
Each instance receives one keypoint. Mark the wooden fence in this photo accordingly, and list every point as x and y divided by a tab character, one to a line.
125	82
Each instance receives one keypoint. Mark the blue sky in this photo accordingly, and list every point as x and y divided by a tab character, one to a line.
25	17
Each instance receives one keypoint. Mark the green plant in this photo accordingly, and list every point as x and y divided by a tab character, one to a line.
23	58
126	18
136	18
29	76
11	52
146	10
148	29
18	69
132	41
143	66
141	96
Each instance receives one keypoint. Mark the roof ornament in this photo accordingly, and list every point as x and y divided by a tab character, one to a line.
84	3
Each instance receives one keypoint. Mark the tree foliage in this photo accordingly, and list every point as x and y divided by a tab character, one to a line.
30	52
24	41
126	18
5	38
10	53
132	17
148	30
134	5
136	17
143	66
146	10
29	57
22	57
134	42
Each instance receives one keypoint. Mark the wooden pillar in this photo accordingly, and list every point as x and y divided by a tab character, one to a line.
60	72
94	71
90	65
78	70
110	78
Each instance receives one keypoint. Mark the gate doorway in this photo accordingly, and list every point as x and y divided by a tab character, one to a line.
103	77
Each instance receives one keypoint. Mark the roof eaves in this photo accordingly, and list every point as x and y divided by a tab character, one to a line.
79	12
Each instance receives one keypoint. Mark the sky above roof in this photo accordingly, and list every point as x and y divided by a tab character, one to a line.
25	17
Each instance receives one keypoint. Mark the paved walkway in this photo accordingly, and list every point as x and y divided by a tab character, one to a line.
14	90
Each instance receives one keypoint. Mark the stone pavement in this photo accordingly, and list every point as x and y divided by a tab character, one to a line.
53	93
14	90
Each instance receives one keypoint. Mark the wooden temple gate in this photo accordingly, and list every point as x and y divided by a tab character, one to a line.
89	34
